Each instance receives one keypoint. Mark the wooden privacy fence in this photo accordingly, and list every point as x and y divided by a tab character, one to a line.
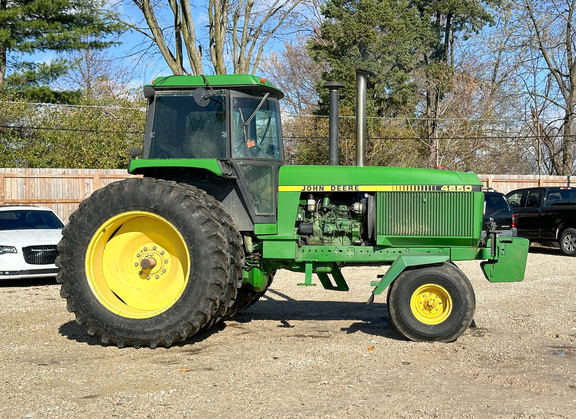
63	189
507	183
59	189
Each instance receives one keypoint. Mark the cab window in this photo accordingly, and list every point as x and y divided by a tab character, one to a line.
184	129
260	184
256	127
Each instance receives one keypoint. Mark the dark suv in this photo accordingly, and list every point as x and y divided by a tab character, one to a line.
498	210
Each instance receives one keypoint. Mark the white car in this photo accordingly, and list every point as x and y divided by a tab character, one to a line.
28	239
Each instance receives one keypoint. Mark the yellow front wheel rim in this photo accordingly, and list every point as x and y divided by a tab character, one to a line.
431	304
137	264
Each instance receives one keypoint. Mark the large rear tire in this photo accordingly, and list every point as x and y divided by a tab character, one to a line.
434	303
145	262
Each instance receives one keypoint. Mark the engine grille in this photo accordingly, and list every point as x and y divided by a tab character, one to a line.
40	255
431	214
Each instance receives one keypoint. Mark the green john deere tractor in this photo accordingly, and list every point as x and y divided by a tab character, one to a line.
151	260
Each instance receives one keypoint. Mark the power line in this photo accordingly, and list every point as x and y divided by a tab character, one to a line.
64	105
71	129
494	137
414	118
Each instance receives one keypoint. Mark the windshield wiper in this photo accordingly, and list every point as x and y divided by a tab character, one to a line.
257	109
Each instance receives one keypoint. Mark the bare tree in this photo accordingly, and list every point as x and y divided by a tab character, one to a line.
550	69
295	73
237	34
449	21
97	74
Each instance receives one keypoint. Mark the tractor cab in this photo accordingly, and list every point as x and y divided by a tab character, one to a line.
227	126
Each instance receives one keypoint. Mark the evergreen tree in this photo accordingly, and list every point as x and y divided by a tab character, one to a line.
409	45
32	26
386	37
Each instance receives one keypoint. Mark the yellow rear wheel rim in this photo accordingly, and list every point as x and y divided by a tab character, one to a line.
431	304
137	264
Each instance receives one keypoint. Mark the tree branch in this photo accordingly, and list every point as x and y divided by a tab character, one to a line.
158	36
189	35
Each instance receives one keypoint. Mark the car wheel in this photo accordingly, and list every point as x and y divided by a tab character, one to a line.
568	242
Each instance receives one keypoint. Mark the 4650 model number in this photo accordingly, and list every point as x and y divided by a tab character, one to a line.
456	188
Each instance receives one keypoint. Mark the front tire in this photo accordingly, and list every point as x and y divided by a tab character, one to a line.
568	242
144	262
434	303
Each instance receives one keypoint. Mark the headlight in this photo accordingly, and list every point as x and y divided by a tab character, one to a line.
7	249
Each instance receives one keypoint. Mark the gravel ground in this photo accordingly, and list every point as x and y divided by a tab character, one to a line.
305	352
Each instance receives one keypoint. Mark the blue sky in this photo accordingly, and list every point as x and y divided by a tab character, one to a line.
144	66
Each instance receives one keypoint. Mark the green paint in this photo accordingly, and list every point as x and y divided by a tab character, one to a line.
404	262
257	278
339	281
265	229
353	175
229	81
509	263
139	166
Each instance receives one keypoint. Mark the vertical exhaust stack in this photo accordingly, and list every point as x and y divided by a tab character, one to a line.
361	89
333	87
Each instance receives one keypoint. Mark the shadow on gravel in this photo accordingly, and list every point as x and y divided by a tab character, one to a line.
27	282
371	319
554	251
74	331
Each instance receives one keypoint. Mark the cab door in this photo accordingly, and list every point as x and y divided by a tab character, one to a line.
257	152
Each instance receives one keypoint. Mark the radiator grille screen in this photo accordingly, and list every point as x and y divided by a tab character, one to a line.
433	214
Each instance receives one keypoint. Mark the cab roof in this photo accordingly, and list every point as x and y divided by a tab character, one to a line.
227	81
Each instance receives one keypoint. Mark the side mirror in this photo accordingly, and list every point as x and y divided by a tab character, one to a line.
201	97
148	92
